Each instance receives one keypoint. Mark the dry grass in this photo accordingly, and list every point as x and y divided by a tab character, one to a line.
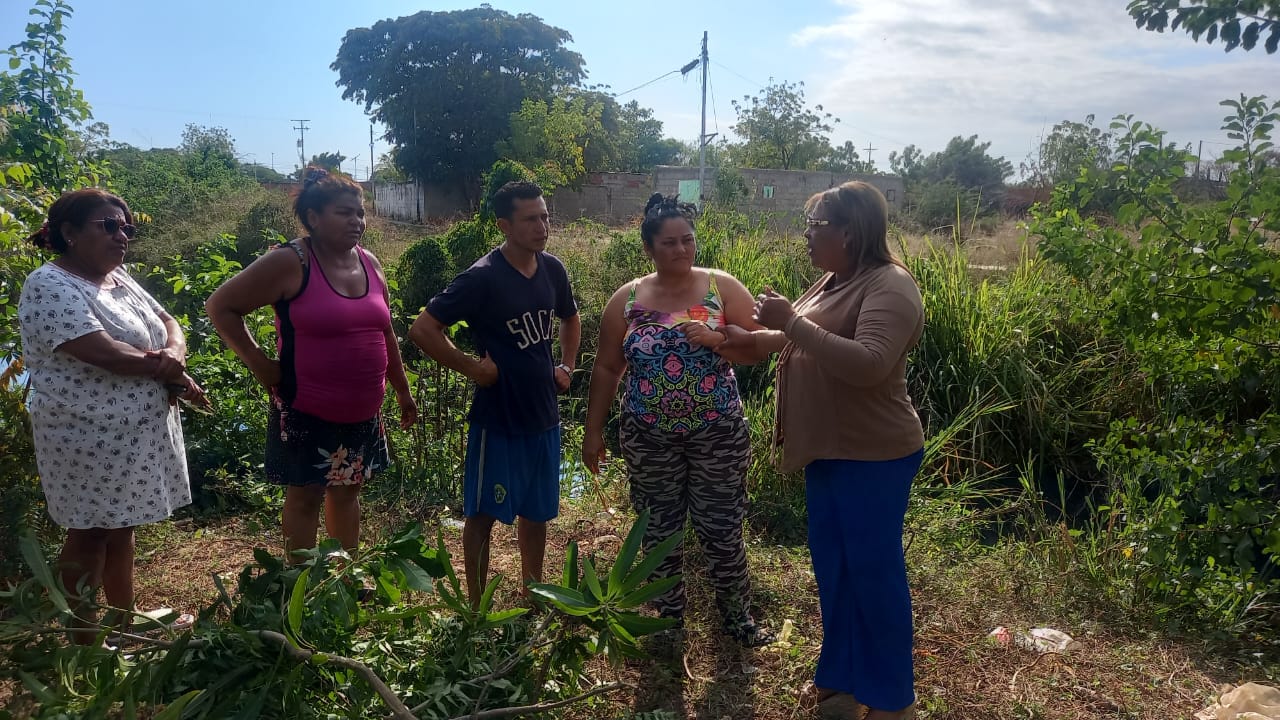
1001	246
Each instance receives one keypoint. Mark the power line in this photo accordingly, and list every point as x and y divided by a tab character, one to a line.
673	72
711	86
731	71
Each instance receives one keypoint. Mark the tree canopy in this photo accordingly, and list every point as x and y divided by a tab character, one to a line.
445	84
1069	148
780	131
1238	23
641	144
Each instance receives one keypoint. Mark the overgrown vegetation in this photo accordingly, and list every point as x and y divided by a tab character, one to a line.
1103	443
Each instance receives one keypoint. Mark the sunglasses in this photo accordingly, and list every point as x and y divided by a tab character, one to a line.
815	223
111	225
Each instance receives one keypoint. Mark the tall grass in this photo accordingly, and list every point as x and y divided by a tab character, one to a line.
1003	371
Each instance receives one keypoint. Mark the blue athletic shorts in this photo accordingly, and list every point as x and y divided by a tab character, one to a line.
511	475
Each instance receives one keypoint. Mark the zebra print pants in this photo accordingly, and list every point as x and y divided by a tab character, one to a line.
702	474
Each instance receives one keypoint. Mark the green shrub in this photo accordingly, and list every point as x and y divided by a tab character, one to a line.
228	443
423	270
1199	503
469	240
268	219
502	172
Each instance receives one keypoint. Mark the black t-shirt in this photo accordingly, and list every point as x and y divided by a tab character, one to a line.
509	317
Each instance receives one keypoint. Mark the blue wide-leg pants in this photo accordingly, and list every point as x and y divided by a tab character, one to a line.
856	510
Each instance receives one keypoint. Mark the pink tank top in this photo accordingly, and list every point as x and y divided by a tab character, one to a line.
333	350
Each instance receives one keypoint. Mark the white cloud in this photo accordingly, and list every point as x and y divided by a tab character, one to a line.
915	71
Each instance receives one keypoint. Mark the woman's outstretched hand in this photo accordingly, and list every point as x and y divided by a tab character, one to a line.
773	310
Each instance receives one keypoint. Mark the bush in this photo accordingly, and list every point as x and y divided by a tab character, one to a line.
1199	502
229	442
424	269
502	172
469	240
268	219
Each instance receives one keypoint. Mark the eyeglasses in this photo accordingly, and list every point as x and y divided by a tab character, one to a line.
111	225
815	222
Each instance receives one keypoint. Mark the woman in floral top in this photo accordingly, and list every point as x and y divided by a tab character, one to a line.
683	436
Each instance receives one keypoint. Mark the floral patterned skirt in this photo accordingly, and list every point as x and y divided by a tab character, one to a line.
303	449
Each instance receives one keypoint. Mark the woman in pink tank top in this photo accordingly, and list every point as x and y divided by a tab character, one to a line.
336	351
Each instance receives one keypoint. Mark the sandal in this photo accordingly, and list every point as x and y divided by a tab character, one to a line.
166	619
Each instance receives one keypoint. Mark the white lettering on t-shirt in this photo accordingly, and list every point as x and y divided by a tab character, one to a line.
531	331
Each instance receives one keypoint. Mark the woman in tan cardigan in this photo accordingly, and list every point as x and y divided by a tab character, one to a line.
844	416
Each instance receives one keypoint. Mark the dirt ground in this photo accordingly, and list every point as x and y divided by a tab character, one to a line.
960	672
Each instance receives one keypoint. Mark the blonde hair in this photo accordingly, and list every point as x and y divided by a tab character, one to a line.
861	208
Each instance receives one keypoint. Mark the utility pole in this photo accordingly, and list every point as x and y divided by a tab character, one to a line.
371	158
302	129
273	162
1198	154
702	137
869	151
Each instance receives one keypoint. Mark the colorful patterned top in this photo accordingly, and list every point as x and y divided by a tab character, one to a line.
673	385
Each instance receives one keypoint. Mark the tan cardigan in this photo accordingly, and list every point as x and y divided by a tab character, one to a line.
842	387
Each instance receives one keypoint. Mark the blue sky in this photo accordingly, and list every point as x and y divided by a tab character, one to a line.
908	71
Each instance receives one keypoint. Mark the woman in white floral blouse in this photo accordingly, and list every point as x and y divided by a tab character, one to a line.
107	365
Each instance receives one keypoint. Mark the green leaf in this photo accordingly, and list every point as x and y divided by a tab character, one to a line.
30	548
569	577
493	620
590	580
486	598
296	600
566	600
652	559
39	689
414	576
617	629
648	592
639	625
627	553
15	63
173	656
175	708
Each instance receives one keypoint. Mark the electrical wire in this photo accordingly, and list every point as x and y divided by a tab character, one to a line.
673	72
731	71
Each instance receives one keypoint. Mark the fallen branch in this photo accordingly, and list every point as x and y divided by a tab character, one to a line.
399	710
1013	681
540	707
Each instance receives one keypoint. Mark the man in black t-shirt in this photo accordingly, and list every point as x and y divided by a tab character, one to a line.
508	299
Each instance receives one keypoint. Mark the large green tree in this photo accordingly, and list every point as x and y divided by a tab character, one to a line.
640	141
1068	149
446	83
780	131
964	162
551	138
1238	23
846	160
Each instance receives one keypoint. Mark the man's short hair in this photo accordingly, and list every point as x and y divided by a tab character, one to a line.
504	200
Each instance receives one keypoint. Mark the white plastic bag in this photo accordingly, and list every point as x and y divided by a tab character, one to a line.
1250	701
1041	640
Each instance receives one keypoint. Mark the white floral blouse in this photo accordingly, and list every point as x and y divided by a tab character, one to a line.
109	447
